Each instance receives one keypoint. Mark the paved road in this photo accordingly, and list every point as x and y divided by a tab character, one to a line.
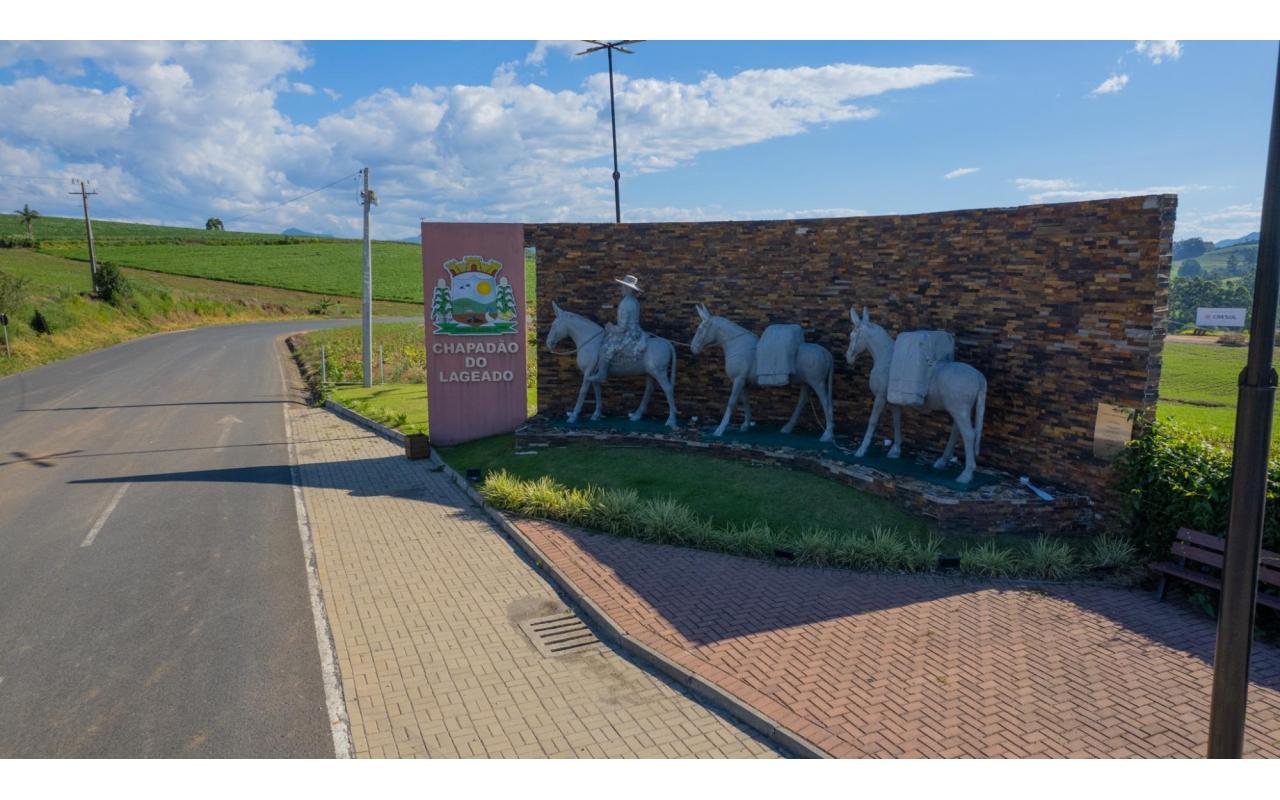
155	617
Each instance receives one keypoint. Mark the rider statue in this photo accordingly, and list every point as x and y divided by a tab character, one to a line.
625	337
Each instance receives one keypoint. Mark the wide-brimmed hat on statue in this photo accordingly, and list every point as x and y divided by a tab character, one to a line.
630	282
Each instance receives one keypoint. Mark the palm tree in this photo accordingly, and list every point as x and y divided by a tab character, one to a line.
213	224
28	215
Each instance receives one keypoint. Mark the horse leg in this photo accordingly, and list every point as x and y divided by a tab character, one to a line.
728	411
896	450
582	396
950	449
599	412
876	408
795	415
824	397
967	434
669	389
746	409
644	401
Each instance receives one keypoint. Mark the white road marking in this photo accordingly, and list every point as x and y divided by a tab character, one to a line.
228	425
102	518
335	701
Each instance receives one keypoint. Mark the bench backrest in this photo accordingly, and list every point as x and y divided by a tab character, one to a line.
1206	549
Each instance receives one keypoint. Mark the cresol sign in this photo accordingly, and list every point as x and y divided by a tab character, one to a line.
473	288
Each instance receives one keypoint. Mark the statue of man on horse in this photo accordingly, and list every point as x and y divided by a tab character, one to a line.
623	338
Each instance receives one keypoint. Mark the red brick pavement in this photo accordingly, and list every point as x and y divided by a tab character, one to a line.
901	665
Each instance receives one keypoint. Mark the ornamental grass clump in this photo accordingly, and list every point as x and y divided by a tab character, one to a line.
1048	558
816	547
988	561
1112	551
665	520
923	554
854	551
756	540
888	548
502	490
617	511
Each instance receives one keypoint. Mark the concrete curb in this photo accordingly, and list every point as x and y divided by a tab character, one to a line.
779	735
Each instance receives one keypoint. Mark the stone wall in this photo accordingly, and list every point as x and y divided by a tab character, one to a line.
1062	307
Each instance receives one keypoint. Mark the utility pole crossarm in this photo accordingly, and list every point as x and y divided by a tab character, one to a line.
609	47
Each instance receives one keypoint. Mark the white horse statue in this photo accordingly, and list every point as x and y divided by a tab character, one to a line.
657	365
956	388
814	368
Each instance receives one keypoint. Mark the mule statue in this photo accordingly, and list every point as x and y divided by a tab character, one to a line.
951	386
813	369
656	361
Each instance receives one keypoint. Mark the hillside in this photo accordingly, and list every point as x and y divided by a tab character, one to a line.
1215	261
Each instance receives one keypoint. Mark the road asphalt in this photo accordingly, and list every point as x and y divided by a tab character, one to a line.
153	591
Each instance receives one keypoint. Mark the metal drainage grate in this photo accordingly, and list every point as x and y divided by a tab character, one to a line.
559	634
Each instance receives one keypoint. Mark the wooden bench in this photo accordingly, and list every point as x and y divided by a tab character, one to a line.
1204	550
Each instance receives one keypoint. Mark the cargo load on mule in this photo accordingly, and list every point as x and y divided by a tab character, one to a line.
776	354
915	354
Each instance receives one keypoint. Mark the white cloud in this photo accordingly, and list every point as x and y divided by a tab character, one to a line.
1043	184
1111	85
1228	222
303	88
961	172
567	46
196	124
333	95
1158	51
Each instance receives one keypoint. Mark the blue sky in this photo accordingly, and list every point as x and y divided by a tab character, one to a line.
176	132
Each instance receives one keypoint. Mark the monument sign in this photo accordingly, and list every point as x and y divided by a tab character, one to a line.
1220	317
473	288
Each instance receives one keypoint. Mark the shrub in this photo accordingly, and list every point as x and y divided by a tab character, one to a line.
1169	477
321	307
110	284
52	318
502	489
816	546
756	540
13	292
10	240
1233	339
988	561
665	520
854	551
1111	550
1049	558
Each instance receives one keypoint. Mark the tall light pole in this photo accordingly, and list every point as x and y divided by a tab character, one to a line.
367	199
88	233
1248	477
609	47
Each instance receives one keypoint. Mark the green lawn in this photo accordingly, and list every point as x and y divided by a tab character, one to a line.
1198	388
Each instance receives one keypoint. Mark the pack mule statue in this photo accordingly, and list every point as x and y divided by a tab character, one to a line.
813	370
954	387
656	360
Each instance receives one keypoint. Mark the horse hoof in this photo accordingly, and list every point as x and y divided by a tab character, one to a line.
964	477
827	437
787	430
862	451
718	432
596	417
894	453
940	464
671	423
633	417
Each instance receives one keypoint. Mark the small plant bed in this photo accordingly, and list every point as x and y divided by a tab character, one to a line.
759	511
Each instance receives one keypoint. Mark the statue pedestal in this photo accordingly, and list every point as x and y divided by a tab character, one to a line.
994	502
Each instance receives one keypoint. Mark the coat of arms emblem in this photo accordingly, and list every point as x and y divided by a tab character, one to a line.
476	301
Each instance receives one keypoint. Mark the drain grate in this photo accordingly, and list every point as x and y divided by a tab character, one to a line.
559	634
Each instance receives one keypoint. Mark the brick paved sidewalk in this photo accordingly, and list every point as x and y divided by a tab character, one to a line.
900	665
424	597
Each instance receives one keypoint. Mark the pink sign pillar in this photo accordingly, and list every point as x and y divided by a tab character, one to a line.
473	290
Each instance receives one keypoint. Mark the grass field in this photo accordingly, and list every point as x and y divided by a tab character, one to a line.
1216	260
54	229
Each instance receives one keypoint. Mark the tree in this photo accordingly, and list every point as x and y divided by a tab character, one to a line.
1190	269
28	215
1191	248
213	224
506	300
441	305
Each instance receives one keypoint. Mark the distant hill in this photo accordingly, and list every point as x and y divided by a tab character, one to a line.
1214	262
413	239
300	232
1248	237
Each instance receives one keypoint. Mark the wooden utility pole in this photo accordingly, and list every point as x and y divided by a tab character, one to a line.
88	232
367	199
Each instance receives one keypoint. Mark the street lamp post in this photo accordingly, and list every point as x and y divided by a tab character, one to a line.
609	47
1248	477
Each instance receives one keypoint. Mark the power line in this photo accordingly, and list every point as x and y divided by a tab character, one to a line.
35	177
293	199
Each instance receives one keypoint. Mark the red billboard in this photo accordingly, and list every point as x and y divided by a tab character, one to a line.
474	306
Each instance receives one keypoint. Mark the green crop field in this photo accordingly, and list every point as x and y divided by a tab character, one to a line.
1198	388
1216	260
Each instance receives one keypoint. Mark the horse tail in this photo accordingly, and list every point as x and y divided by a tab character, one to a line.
831	374
979	413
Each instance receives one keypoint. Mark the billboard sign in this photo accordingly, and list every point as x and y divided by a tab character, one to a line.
1220	317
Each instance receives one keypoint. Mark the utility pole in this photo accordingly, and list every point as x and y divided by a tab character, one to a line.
88	232
367	199
609	47
1250	455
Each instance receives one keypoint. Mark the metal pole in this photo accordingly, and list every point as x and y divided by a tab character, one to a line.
367	312
7	352
1248	478
382	367
613	125
88	232
324	368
